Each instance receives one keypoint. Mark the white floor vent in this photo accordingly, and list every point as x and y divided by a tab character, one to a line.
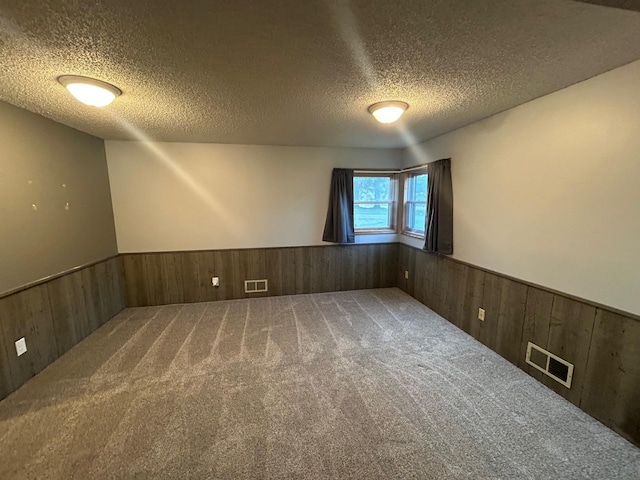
255	286
550	364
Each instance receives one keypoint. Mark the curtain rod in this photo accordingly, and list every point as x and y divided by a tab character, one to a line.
402	170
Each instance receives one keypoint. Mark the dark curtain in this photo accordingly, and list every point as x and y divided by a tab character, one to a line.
339	225
439	227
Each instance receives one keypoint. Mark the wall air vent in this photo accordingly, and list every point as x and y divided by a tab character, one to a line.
550	364
255	286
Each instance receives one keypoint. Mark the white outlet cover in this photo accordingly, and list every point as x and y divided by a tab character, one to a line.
481	314
21	346
406	274
215	281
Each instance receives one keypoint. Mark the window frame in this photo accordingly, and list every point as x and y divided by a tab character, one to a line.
406	176
393	204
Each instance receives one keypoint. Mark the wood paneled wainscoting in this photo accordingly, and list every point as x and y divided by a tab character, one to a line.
177	277
53	315
603	344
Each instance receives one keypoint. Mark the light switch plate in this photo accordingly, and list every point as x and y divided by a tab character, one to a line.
21	346
481	314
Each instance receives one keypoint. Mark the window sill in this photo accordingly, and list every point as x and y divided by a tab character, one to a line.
375	232
413	235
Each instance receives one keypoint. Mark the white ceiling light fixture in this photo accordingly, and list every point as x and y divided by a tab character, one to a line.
90	91
388	112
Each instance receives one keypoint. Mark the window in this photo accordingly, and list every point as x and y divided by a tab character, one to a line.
415	203
374	203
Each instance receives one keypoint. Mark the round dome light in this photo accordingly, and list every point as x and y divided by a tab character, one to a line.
90	91
388	112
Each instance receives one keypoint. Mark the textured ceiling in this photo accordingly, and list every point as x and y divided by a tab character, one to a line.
302	72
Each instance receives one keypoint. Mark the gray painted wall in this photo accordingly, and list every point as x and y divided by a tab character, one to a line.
199	196
37	157
547	192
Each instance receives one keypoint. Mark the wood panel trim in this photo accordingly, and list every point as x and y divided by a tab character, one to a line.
290	270
35	283
486	270
600	343
602	306
54	316
288	247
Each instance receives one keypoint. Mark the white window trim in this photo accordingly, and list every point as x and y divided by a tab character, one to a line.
409	232
393	203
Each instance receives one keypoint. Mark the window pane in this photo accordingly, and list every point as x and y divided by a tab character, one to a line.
371	189
415	203
373	202
415	219
376	215
420	188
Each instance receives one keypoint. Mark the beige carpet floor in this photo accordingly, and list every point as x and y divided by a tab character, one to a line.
366	384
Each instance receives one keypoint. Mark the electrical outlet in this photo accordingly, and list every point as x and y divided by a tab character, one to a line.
21	346
481	314
215	281
406	274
